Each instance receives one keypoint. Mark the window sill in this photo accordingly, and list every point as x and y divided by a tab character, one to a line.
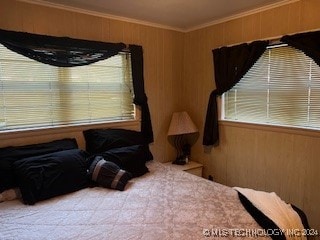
272	128
12	134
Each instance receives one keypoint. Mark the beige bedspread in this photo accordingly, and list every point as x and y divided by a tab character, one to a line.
163	204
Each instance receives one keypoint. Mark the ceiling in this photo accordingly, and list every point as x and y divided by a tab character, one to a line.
182	15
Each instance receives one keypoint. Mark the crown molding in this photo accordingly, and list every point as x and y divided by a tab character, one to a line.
151	24
98	14
243	14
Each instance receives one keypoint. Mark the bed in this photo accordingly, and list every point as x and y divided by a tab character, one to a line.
161	203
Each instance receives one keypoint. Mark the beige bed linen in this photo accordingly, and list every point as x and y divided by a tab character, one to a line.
163	204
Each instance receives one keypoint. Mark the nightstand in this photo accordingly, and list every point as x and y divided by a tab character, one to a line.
192	167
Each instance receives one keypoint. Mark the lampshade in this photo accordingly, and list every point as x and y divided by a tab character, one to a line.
181	123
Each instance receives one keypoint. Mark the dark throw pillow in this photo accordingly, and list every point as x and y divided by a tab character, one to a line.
9	155
50	175
132	159
101	140
108	174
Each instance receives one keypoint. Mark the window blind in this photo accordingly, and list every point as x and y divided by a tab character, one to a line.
282	88
34	95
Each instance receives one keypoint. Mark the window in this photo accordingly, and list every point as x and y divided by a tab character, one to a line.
282	88
34	95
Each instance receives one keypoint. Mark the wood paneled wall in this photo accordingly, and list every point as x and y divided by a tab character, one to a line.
163	54
272	159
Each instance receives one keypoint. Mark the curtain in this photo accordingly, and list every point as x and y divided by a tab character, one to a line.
69	52
140	97
230	65
58	51
308	42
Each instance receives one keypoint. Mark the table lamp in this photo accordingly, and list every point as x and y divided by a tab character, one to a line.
181	125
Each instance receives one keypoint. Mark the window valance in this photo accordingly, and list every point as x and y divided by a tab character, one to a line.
308	42
58	51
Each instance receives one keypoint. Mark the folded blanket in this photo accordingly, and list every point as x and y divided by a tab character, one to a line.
275	209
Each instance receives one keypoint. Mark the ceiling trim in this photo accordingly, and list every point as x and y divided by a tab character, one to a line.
243	14
98	14
151	24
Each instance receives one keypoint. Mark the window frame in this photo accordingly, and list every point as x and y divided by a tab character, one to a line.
72	125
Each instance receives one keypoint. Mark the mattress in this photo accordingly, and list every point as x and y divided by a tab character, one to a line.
163	204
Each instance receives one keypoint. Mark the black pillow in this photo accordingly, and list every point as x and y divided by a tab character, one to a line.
100	140
50	175
132	159
108	174
8	155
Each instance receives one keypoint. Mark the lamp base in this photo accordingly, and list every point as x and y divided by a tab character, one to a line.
182	160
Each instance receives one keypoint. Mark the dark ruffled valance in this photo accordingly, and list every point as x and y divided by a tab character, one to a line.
58	51
308	42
